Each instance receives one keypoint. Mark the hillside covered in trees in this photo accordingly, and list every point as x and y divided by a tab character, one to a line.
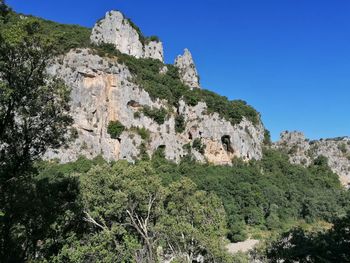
152	209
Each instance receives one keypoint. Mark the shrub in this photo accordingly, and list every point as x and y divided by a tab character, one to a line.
115	129
198	146
144	133
152	39
158	115
267	138
137	115
342	148
143	152
179	123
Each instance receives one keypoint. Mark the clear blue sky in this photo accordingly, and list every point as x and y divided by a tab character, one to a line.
290	59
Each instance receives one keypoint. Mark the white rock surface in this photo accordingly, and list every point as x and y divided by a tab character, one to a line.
154	49
115	29
187	70
303	151
102	91
243	246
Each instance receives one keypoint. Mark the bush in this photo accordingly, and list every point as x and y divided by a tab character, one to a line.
137	115
179	123
198	146
65	37
267	138
144	133
152	39
158	115
342	147
115	129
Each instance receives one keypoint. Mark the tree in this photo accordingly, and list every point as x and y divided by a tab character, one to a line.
328	246
4	9
33	117
115	129
122	204
193	224
132	217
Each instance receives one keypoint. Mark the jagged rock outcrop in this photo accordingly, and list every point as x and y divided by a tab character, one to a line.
187	70
303	151
115	29
103	91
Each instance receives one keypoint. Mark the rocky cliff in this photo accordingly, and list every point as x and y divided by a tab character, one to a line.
303	151
116	29
187	69
104	90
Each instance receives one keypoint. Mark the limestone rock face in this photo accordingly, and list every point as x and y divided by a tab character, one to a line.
303	151
103	91
187	69
154	49
115	29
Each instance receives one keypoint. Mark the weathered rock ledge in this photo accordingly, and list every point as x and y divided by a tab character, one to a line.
103	91
303	151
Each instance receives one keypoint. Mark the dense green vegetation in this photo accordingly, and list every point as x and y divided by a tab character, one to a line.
158	115
180	123
65	36
298	245
33	118
94	211
115	129
198	145
126	212
267	194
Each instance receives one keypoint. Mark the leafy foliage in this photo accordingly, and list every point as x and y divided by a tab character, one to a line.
130	214
144	133
115	129
94	211
65	36
180	124
267	193
298	245
33	117
198	145
158	115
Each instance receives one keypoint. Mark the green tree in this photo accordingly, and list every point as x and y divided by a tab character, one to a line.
194	223
4	10
328	246
180	124
115	129
33	117
121	204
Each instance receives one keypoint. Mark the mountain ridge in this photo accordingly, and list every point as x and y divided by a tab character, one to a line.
149	75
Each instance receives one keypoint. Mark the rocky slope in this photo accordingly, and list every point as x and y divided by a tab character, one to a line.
104	90
115	29
303	151
187	69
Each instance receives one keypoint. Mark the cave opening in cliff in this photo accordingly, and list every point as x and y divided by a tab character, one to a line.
190	137
133	104
226	143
